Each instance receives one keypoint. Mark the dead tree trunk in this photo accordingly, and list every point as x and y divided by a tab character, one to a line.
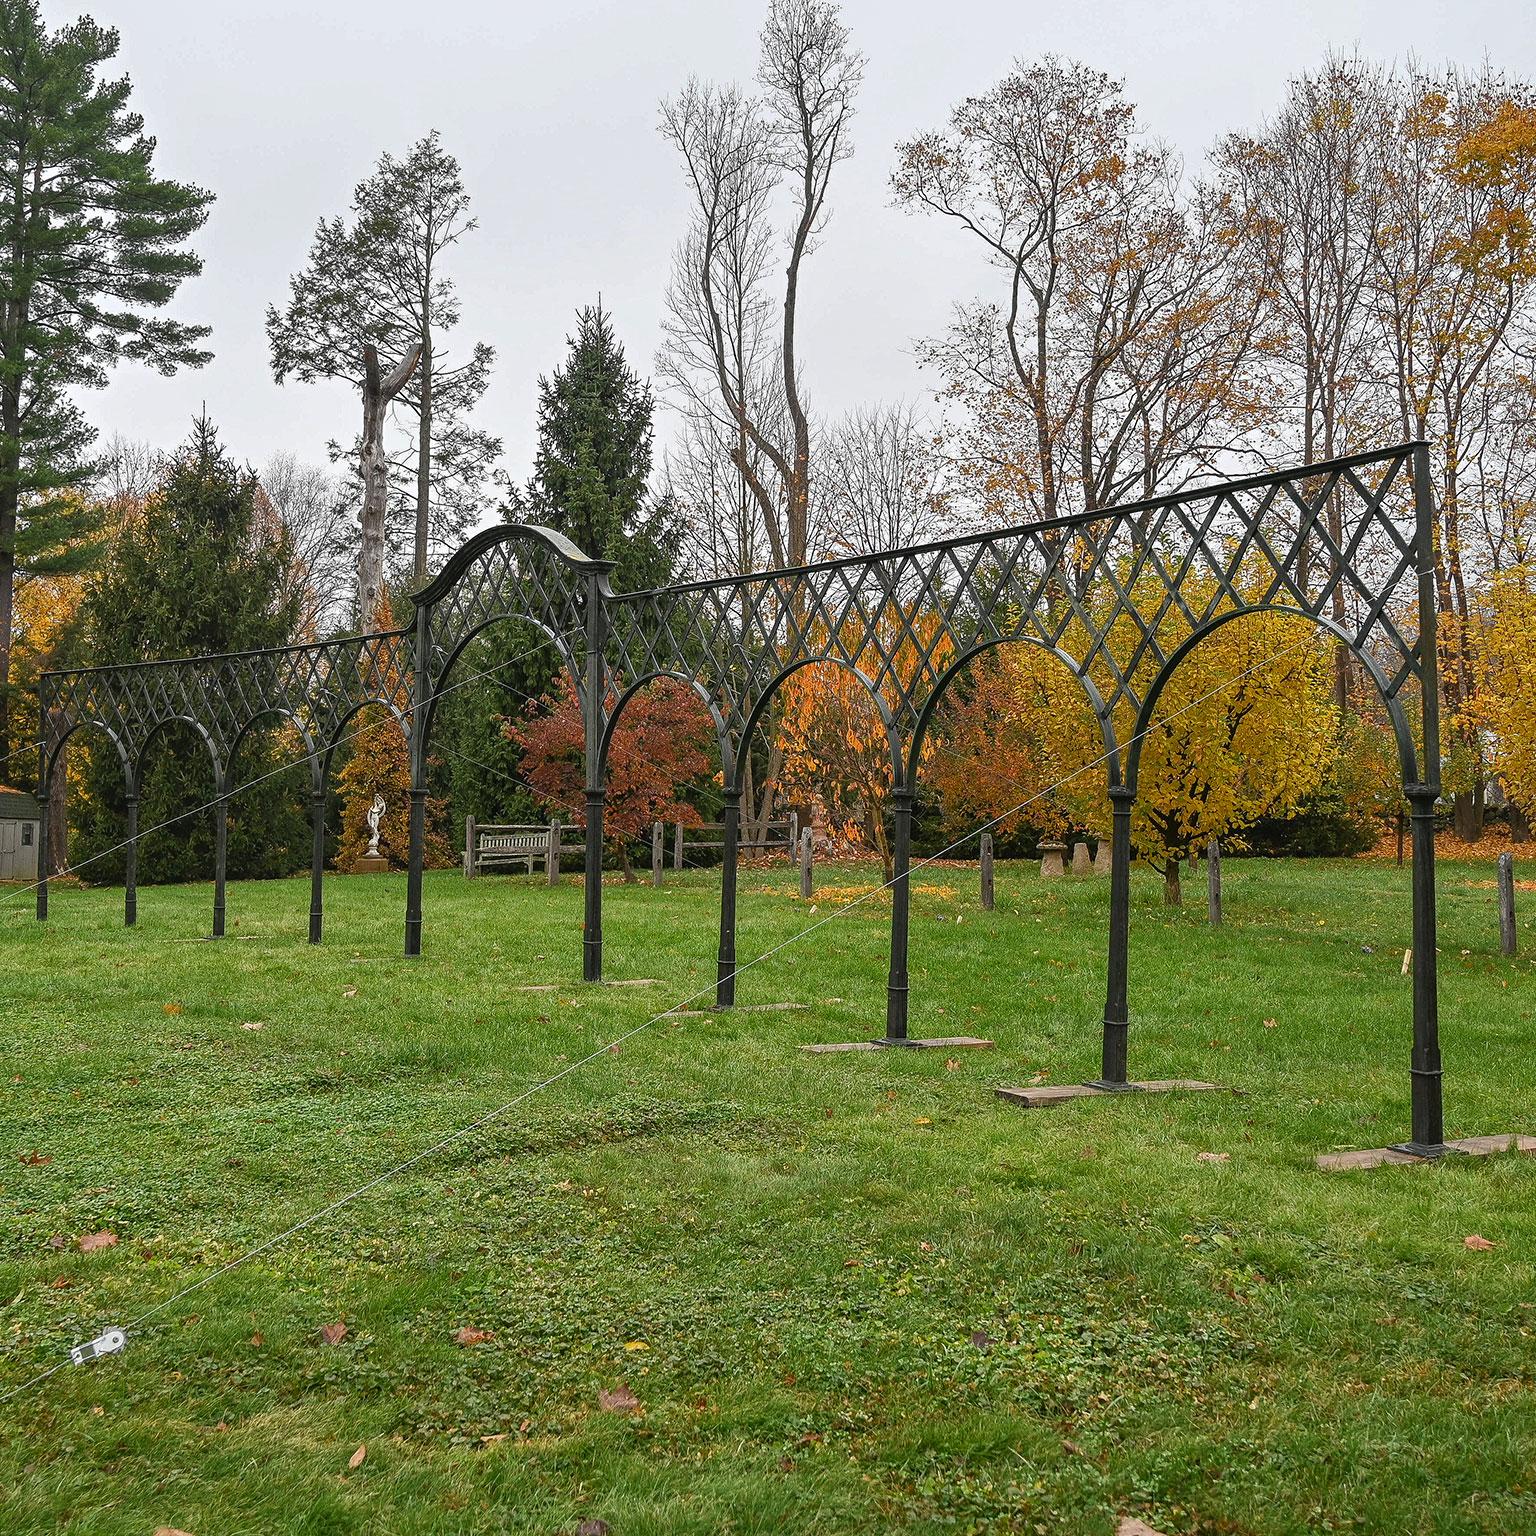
378	391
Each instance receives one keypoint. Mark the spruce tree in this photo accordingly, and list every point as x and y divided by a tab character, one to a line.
94	244
198	573
593	464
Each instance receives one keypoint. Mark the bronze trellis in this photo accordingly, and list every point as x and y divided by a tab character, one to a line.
1347	544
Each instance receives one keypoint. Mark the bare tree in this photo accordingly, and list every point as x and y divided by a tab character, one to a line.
1113	361
882	482
314	505
732	361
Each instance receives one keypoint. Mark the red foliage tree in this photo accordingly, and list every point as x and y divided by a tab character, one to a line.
660	744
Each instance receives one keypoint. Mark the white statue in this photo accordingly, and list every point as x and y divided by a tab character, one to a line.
375	820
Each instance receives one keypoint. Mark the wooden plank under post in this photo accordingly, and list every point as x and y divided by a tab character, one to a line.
806	886
1213	879
988	893
1507	940
657	836
469	846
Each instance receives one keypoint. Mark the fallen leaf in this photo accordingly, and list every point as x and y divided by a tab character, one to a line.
1130	1526
172	1009
57	1241
593	1528
467	1336
637	1344
922	1120
36	1159
1213	1157
620	1400
1478	1243
257	1340
1270	1023
356	1459
333	1333
60	1283
982	1340
94	1240
251	1026
493	1439
1071	1447
349	992
951	1064
170	1530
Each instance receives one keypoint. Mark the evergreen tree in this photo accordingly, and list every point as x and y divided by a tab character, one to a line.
94	243
380	279
593	464
199	572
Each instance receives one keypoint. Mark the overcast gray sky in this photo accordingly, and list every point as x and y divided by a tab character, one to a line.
281	106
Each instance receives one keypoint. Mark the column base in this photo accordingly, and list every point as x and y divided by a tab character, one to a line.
1044	1096
949	1043
1412	1152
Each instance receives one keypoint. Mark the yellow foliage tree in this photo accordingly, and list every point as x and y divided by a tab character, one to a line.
1246	729
1507	696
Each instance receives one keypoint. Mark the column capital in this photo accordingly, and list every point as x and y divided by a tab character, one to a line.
1123	795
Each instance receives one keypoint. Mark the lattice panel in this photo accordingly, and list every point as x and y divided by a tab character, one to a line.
317	687
1115	592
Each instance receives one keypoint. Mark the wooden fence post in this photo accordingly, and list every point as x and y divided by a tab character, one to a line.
988	894
805	865
552	858
1213	879
677	846
1507	903
469	846
657	836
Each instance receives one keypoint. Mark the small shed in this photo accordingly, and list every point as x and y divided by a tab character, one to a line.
21	822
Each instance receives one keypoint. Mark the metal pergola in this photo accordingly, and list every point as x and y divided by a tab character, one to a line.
1347	544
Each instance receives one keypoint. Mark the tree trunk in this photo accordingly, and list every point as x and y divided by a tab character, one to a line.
1467	813
10	499
7	611
1519	824
1173	892
56	854
424	462
377	393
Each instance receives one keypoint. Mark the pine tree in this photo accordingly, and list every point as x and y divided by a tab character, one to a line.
380	279
593	465
95	242
199	572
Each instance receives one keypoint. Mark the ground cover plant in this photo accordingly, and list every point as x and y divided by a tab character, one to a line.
709	1283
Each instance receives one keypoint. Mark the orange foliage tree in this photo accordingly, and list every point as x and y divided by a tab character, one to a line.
833	741
660	745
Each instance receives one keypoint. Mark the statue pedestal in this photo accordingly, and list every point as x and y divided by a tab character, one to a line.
370	864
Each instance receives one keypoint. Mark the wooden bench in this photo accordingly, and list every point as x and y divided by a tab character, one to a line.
497	847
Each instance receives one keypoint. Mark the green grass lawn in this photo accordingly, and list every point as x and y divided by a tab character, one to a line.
848	1293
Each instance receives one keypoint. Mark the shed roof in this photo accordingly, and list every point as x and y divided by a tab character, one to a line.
18	805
